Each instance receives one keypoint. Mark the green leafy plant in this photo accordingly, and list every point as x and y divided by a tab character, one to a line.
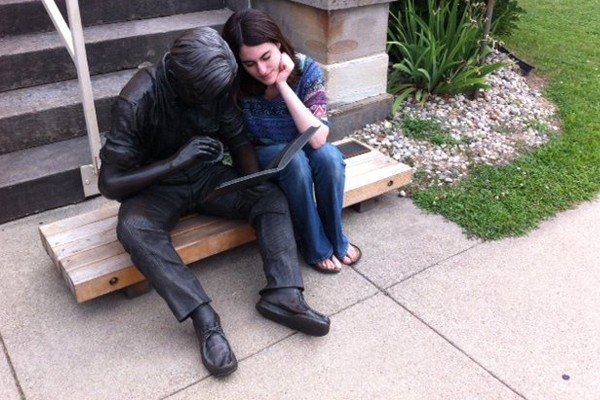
507	13
498	202
441	55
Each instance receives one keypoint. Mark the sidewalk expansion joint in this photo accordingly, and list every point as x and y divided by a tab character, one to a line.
432	265
13	372
460	350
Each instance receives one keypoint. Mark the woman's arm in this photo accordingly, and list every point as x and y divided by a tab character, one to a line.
303	117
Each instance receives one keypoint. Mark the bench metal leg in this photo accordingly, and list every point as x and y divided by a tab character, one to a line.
137	290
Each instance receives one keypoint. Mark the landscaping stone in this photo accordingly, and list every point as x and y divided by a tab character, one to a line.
494	128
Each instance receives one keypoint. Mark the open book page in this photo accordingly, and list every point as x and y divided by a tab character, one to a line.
277	164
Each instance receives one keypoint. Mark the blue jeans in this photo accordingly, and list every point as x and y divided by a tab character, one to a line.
313	183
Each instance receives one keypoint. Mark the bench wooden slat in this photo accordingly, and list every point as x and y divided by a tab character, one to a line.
102	232
91	255
116	272
387	172
83	237
104	277
203	244
102	237
372	174
67	224
88	255
106	268
225	235
378	184
205	228
366	163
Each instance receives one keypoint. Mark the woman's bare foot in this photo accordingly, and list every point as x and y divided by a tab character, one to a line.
352	256
329	265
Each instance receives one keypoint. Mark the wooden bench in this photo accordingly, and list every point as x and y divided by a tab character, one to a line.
87	254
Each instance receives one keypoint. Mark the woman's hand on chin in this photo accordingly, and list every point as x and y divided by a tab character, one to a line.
286	66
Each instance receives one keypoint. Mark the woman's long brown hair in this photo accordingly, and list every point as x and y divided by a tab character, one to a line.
252	28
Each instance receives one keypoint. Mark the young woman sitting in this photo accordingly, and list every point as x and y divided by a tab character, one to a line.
281	94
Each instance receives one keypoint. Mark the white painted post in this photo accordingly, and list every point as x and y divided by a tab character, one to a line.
60	25
72	37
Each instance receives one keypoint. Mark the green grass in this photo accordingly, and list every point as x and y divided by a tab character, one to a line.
561	39
430	130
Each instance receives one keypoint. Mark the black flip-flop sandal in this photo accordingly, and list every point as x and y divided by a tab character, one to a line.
357	258
325	270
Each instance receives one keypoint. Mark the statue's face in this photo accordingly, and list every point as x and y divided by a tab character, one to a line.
198	98
262	62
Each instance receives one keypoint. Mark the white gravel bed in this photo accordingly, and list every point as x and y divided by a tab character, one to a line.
501	123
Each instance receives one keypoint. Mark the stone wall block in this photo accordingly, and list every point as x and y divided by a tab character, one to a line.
331	36
348	39
357	79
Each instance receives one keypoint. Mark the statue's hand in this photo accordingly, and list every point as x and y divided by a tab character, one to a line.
199	149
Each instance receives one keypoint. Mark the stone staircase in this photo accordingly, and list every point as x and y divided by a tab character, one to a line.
43	140
42	128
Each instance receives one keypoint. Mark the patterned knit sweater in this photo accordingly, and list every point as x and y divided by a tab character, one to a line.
270	122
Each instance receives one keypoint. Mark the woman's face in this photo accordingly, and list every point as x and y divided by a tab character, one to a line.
262	61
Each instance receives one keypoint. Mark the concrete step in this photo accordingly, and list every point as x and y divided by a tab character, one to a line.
48	176
43	139
42	178
35	59
53	112
18	17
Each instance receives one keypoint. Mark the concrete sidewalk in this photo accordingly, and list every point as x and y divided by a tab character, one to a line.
427	314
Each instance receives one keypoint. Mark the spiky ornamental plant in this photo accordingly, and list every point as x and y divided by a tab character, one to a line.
441	54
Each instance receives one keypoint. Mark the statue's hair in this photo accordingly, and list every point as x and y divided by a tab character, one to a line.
201	59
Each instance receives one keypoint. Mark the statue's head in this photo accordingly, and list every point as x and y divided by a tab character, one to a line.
201	66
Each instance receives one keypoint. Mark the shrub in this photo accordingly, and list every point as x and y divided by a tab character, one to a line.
504	21
506	17
442	54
